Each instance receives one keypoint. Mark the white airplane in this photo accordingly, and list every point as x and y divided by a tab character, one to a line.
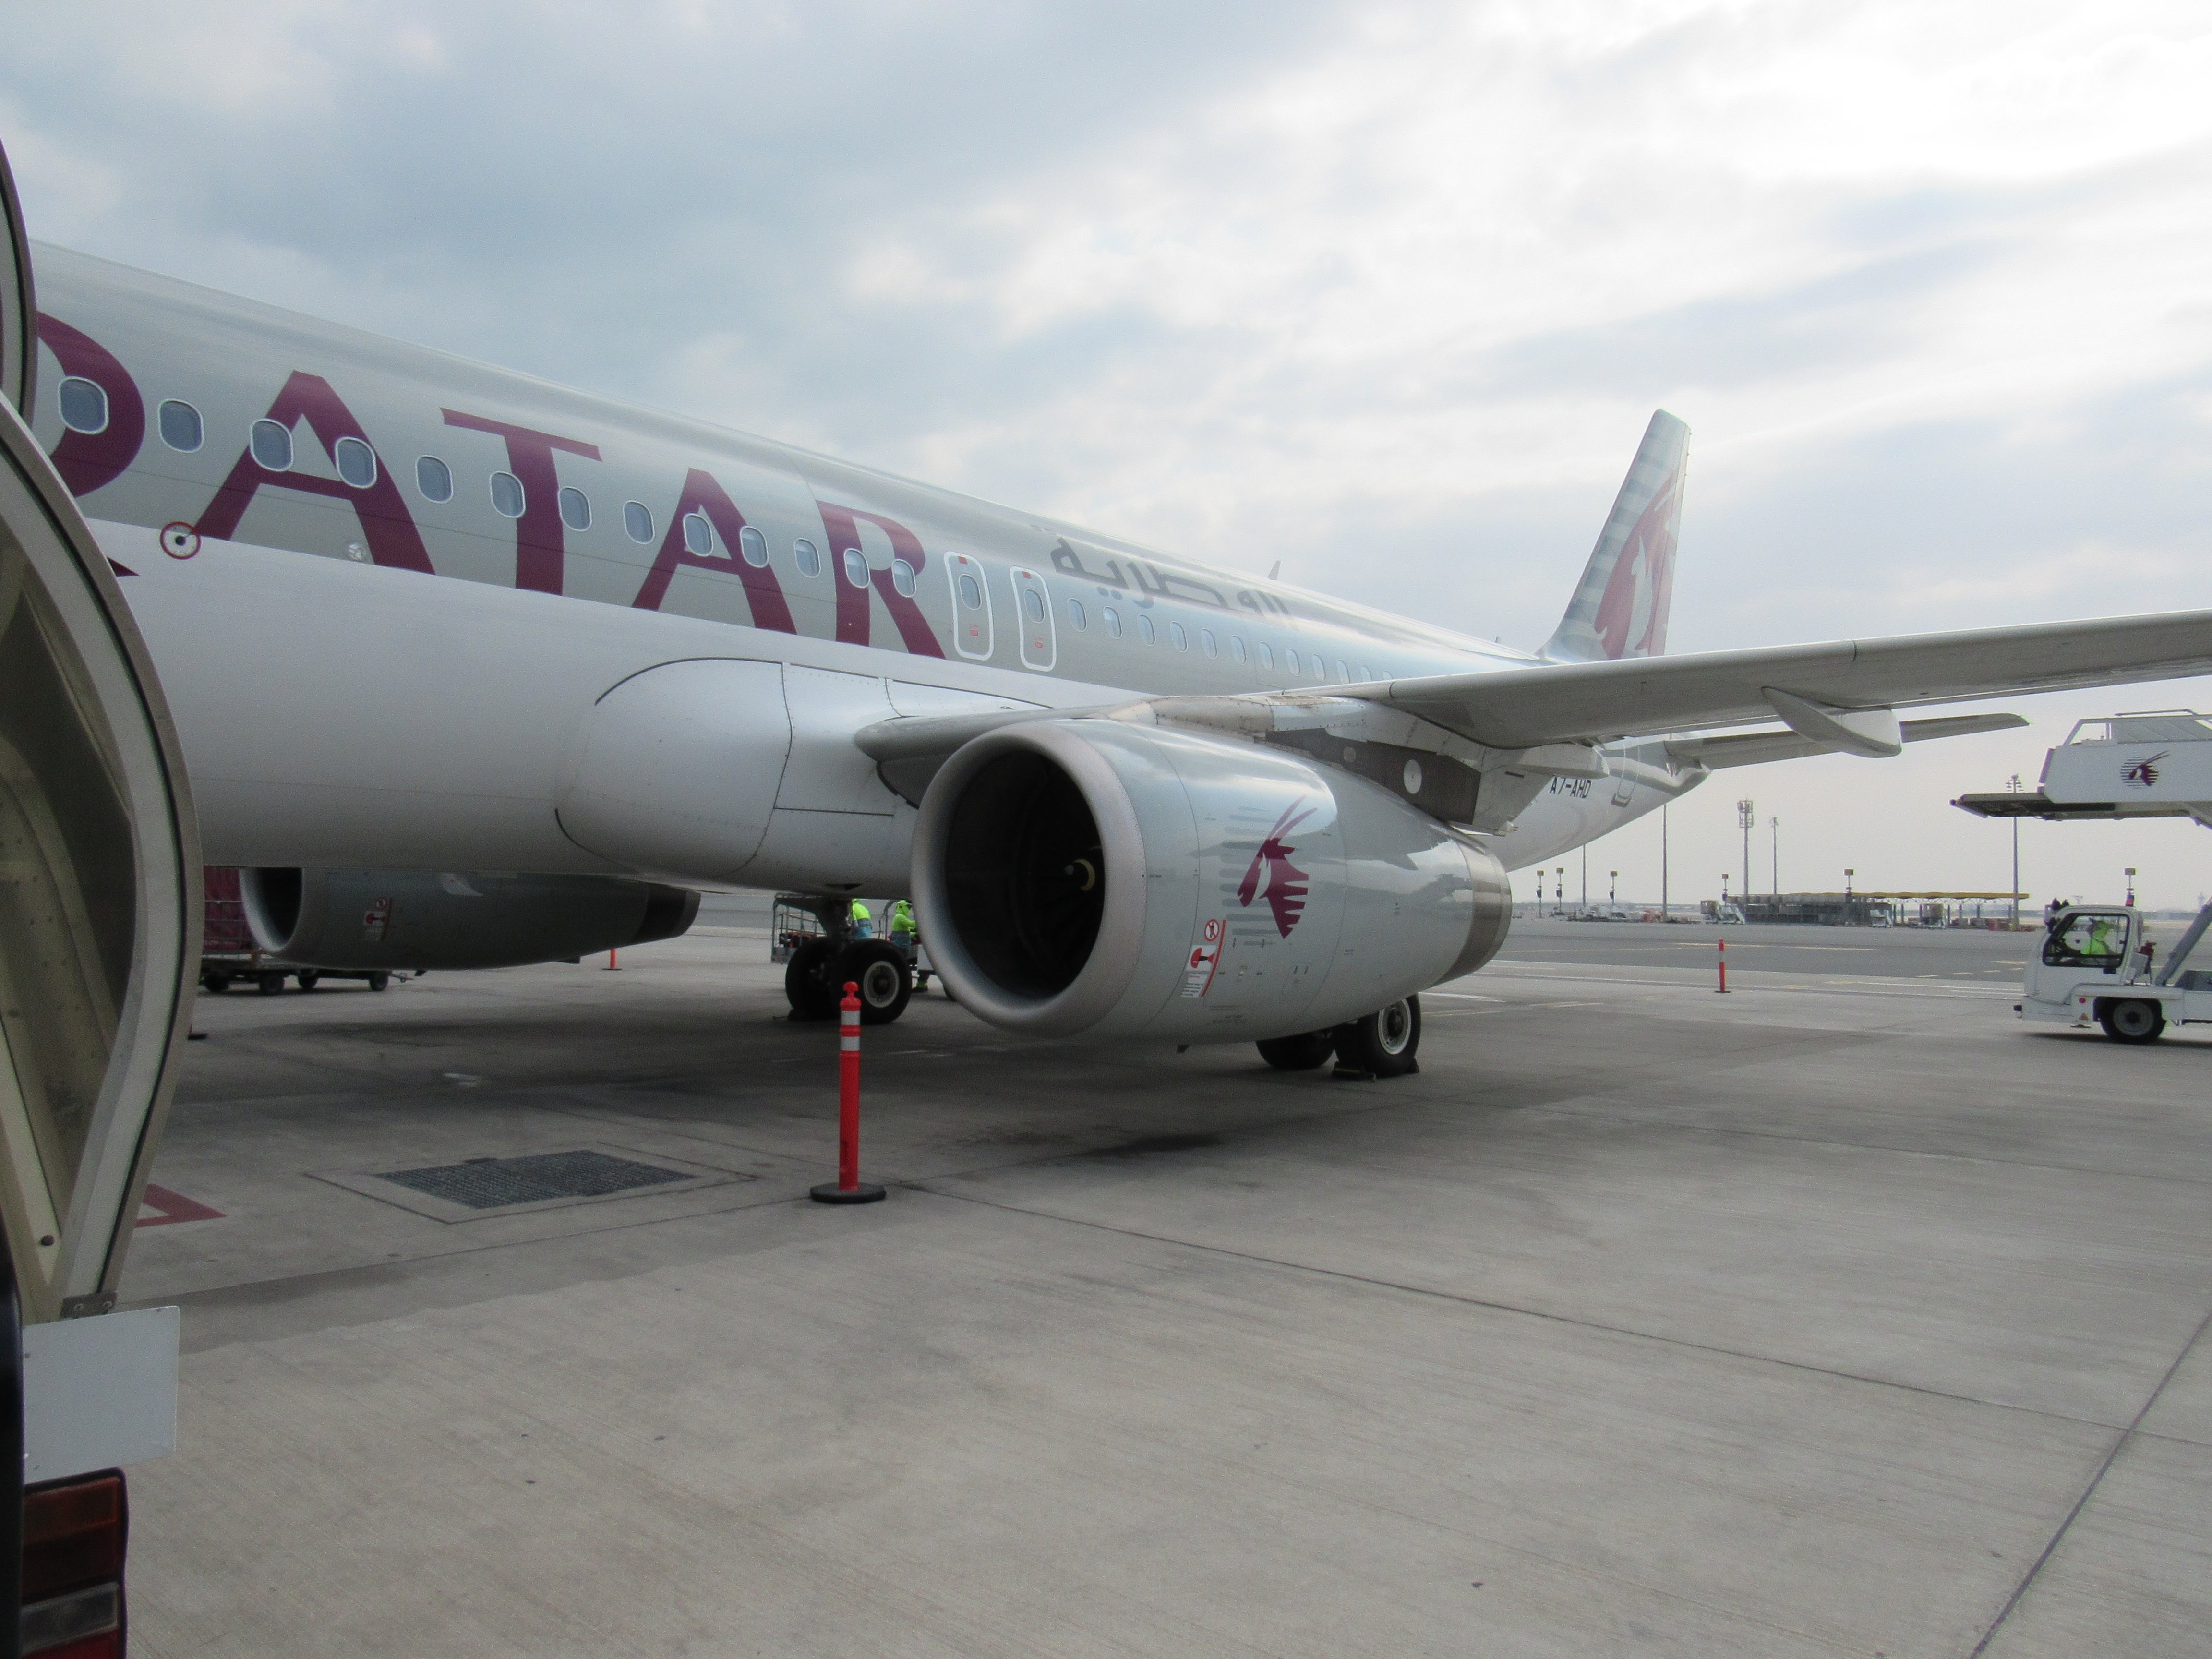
471	670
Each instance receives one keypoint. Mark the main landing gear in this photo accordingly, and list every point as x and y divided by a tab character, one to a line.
1376	1045
820	968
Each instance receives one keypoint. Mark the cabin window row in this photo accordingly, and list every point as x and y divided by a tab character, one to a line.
1110	618
84	408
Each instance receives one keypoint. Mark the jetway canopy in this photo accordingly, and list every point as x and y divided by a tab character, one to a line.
2153	765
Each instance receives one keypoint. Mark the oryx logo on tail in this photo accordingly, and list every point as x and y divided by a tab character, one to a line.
1286	888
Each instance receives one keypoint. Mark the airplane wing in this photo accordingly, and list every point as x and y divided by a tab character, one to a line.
1647	697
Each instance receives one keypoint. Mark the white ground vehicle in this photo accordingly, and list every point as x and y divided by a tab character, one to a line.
2096	967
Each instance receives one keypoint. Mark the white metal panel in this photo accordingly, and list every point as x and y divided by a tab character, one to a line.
827	772
677	767
98	1393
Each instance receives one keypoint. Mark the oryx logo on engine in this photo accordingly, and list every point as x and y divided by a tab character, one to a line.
1285	886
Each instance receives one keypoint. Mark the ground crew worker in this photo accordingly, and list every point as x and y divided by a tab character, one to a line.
901	922
864	922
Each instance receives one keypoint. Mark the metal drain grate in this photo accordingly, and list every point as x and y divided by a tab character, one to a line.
490	1184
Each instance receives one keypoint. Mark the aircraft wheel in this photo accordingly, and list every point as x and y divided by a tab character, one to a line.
880	969
1382	1044
2132	1020
806	985
309	980
217	983
270	984
1300	1052
379	980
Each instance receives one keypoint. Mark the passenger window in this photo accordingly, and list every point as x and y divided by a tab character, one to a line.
902	577
2091	939
1033	602
753	547
698	535
1236	646
1075	614
434	478
856	567
575	509
637	519
1267	656
357	462
1342	672
84	404
180	426
507	498
1181	638
810	561
1290	661
1205	642
1365	676
971	593
1113	620
1144	628
272	446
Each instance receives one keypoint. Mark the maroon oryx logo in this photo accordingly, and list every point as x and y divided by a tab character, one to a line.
1286	882
2143	774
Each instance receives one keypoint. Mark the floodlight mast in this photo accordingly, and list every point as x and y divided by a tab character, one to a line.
1746	815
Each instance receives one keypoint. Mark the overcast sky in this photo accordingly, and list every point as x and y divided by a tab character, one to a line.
1387	292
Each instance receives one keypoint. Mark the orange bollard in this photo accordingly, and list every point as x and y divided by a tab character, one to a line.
613	967
1723	961
848	1188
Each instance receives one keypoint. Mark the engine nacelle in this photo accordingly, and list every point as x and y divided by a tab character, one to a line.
357	919
1091	875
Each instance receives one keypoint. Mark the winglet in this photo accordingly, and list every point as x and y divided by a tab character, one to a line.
1620	607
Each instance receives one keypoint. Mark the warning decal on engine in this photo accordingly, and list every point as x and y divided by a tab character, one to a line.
1204	958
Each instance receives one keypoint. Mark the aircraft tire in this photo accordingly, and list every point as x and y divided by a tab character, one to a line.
805	986
880	969
2132	1020
309	980
215	983
1302	1051
1382	1044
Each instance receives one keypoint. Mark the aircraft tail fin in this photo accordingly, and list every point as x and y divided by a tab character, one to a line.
1620	607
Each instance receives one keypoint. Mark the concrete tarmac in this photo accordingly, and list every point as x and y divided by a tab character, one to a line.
1842	1315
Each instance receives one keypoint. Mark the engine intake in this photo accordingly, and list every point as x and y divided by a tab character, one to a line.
368	919
1080	875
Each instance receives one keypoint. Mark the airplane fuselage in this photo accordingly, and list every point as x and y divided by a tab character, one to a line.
222	427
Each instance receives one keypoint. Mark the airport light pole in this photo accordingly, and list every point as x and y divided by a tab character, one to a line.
2012	783
1848	874
1747	815
1662	859
1613	893
1774	875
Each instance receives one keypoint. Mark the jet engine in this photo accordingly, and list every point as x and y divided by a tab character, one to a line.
370	919
1077	875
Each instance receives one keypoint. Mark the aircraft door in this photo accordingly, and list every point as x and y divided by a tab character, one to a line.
1033	601
971	605
99	916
